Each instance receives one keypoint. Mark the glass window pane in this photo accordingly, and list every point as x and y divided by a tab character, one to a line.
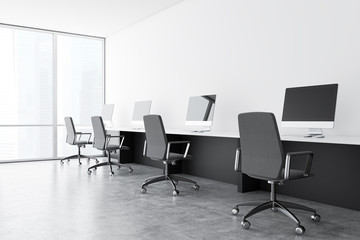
80	78
26	77
27	86
26	142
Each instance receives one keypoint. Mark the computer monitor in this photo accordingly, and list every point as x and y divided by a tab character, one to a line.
141	108
310	107
200	112
107	113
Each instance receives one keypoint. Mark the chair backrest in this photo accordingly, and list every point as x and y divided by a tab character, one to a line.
156	140
70	130
262	155
99	132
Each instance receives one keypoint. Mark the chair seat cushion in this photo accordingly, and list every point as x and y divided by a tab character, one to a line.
81	142
294	174
115	147
175	156
172	157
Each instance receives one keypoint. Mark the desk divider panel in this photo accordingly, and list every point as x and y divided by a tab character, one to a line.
335	167
336	177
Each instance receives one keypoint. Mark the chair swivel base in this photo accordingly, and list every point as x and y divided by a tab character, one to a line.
77	157
275	205
110	164
173	180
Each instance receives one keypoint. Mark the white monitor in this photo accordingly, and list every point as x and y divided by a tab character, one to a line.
200	112
141	108
310	107
107	113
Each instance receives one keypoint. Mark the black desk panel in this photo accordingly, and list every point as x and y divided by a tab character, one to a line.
336	167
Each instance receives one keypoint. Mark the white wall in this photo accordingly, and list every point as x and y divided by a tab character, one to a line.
246	52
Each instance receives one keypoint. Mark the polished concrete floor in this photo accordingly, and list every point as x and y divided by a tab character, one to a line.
46	200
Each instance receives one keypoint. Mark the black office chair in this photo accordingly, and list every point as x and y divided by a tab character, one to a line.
157	148
102	141
75	138
262	157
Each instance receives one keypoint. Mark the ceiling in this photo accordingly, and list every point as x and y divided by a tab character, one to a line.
100	18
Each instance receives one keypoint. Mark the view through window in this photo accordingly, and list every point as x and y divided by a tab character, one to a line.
45	76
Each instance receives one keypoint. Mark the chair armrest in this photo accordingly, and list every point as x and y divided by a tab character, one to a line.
307	168
177	142
237	166
109	137
81	134
144	150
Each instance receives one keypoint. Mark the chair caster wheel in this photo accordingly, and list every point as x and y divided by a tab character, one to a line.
143	190
88	159
69	160
315	217
89	172
131	170
196	187
97	161
175	192
235	211
94	168
118	167
80	163
111	173
176	182
61	162
274	209
245	224
299	230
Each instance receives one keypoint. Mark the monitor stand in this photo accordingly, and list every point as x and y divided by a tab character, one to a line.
137	128
315	133
137	125
201	131
205	129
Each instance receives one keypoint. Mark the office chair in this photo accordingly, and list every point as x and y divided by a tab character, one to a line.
261	156
157	148
102	141
74	138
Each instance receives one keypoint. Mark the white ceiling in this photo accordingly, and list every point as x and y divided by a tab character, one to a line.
100	18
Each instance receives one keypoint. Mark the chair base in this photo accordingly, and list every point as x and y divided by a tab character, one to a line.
172	179
275	205
78	157
110	164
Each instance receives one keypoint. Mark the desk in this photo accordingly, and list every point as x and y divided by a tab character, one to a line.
335	167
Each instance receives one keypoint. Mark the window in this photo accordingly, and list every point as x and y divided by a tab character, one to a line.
45	76
80	85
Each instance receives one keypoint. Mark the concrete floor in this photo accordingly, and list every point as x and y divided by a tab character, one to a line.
46	200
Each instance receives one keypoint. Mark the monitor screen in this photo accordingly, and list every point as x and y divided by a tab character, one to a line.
141	108
310	106
200	111
107	112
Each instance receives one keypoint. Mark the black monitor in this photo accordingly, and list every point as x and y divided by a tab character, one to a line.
310	107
